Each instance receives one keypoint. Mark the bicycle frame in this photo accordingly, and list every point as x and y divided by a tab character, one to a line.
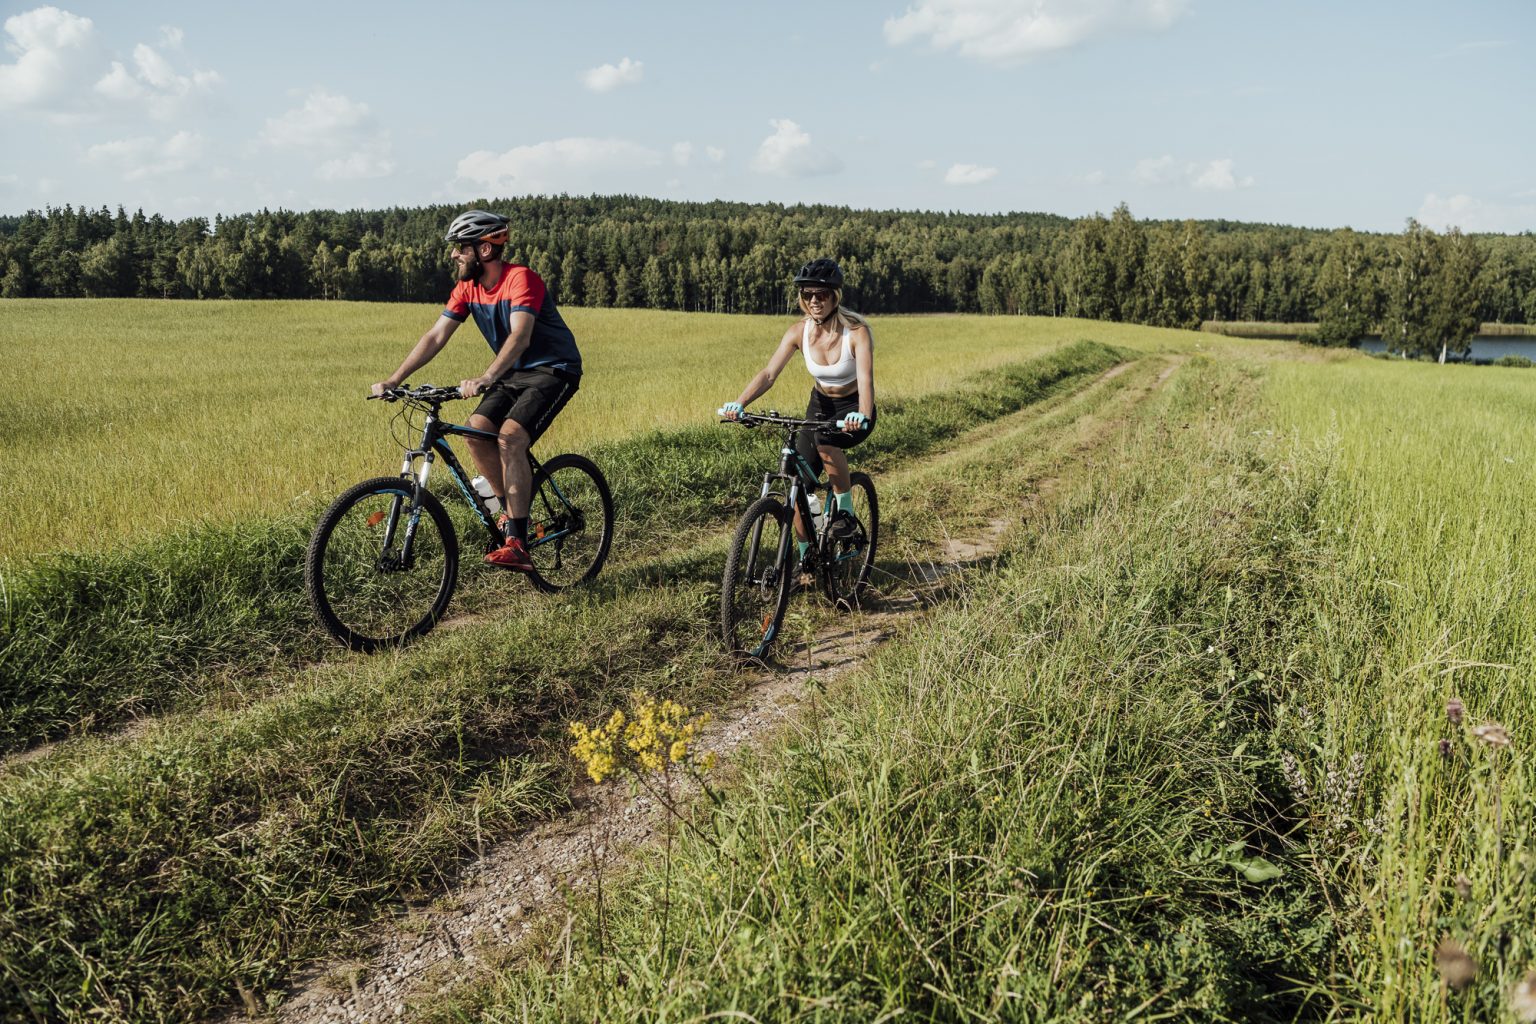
434	443
794	469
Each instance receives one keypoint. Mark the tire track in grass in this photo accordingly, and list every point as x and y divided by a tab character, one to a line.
425	950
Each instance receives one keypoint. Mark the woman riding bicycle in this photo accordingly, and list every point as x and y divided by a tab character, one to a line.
839	353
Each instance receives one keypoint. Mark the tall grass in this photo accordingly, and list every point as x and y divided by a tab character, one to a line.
145	880
1050	804
1430	599
128	419
86	639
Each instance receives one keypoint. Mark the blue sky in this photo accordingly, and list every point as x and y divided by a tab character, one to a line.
1312	114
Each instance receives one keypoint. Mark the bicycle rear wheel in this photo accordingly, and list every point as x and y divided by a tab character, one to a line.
755	589
851	539
375	578
570	523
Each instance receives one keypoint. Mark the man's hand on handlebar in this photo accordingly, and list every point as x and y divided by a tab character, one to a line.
379	389
472	387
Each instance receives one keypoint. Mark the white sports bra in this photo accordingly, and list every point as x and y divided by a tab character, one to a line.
836	375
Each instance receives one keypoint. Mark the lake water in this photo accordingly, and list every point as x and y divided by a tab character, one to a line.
1485	348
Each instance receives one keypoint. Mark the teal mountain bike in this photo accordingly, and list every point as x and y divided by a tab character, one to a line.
761	570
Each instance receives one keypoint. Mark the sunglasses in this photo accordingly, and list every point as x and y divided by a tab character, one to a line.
815	294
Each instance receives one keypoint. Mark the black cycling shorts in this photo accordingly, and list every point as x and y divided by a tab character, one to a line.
529	398
825	407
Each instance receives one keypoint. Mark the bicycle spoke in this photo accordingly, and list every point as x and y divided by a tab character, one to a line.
570	524
375	577
851	538
755	589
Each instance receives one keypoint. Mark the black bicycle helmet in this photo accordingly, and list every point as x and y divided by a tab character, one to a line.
478	226
822	271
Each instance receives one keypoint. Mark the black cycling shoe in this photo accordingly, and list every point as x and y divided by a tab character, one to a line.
844	525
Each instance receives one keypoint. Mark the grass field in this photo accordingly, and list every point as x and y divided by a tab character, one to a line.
131	417
1237	727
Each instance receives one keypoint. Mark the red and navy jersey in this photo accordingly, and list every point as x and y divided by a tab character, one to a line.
520	290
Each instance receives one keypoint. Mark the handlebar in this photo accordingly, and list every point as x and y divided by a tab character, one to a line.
429	393
752	419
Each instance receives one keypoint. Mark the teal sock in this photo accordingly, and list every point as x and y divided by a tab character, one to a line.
802	546
844	500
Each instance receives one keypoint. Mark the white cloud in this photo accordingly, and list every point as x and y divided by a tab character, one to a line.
54	51
342	133
561	165
1469	214
968	174
682	153
323	120
144	157
1095	178
714	153
155	82
1005	31
609	77
59	62
788	152
1214	176
1217	176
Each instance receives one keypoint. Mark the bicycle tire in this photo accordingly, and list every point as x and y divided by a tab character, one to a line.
358	588
754	591
565	549
847	561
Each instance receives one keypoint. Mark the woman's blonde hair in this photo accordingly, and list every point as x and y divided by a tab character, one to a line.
841	318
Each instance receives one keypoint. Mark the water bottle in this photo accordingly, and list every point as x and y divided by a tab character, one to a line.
482	487
817	516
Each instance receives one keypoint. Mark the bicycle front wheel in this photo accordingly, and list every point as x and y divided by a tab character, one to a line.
378	574
849	552
570	523
755	589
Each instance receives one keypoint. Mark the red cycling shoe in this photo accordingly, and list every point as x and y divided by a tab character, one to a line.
511	555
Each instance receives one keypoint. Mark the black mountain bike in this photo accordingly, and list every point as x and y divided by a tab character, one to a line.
383	560
760	569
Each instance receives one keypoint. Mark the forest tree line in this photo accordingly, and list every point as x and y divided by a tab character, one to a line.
628	251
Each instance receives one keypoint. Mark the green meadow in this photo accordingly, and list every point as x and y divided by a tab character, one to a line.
1236	724
132	417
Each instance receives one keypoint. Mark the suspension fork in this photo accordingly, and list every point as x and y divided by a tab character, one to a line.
418	480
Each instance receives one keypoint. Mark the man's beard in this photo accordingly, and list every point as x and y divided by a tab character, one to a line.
469	269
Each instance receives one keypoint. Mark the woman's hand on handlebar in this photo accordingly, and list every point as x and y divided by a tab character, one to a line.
379	389
730	412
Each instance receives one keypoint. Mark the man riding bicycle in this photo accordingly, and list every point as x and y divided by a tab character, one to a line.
535	370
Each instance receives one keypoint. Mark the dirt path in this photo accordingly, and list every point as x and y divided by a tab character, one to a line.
428	948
